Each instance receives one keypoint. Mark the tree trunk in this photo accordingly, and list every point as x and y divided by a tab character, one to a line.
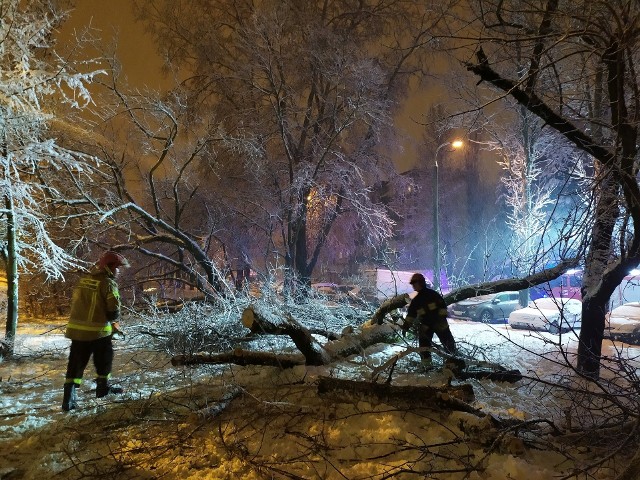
389	305
312	352
257	319
591	335
511	283
12	278
594	305
240	357
216	409
448	397
260	320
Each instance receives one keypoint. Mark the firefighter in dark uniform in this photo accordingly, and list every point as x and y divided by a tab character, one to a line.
95	309
429	311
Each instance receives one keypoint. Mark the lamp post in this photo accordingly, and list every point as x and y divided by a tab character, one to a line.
436	214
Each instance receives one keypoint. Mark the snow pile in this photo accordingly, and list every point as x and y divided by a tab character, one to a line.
230	422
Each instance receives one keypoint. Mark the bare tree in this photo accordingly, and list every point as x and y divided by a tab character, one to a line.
578	65
303	96
158	199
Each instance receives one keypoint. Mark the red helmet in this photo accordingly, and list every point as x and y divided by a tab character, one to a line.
112	260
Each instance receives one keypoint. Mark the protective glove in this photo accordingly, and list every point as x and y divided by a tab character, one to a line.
115	328
407	324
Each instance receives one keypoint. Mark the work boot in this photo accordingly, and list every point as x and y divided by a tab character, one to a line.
456	365
426	363
69	399
104	388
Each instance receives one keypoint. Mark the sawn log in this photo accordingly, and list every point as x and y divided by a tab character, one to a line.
448	397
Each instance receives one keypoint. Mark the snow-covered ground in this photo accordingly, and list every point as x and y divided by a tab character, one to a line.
219	422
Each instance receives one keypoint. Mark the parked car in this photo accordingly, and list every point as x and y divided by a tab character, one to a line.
553	315
335	292
628	291
495	307
623	323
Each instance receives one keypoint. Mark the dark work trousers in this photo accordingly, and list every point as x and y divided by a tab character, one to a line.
425	338
102	350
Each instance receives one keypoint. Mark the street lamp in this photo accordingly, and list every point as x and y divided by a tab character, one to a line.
455	144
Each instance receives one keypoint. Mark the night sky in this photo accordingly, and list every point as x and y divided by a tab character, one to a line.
114	19
142	66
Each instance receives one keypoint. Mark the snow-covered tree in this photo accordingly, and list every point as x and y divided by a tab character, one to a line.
526	195
33	81
166	195
538	169
576	64
302	95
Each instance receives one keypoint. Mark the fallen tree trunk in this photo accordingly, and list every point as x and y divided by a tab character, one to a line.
263	321
250	357
450	397
240	357
259	320
509	284
350	343
389	305
313	353
216	409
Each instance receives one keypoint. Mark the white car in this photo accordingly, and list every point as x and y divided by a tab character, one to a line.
623	323
551	314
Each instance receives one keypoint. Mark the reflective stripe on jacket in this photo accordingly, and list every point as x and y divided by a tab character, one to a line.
94	305
429	308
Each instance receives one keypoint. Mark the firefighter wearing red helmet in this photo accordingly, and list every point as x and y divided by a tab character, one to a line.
95	309
429	310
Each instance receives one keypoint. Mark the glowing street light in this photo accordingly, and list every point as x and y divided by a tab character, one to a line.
455	144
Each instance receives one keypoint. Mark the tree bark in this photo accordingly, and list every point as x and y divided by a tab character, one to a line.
351	342
511	284
389	305
259	320
405	396
12	277
240	357
213	411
